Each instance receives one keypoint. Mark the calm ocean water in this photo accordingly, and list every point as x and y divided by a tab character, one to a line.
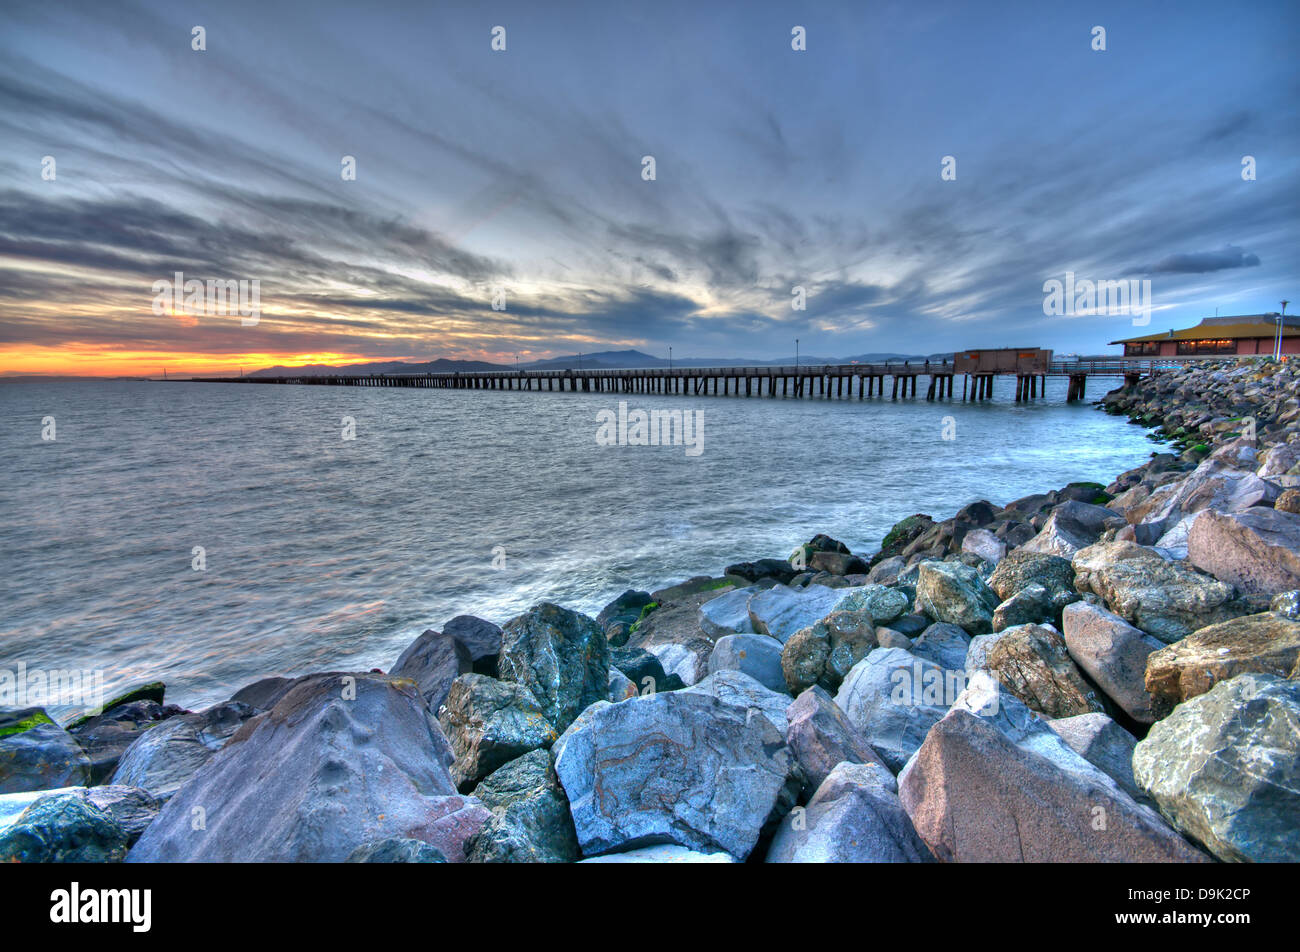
323	553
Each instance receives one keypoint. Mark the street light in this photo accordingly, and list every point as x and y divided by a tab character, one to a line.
670	357
1277	349
796	353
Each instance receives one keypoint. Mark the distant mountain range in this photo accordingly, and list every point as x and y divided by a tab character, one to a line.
440	366
601	360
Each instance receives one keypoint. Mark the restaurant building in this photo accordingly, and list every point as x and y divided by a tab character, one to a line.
1242	336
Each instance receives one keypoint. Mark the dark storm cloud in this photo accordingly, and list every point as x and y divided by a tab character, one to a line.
1201	262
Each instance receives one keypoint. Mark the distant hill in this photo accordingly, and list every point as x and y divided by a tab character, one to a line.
440	366
600	360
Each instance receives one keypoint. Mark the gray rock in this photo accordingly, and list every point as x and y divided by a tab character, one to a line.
780	611
396	849
820	736
946	645
106	737
1224	767
854	817
1257	550
886	571
620	687
893	698
1072	526
889	638
1166	599
1113	654
1104	744
490	723
728	614
341	760
687	663
1031	605
132	807
169	754
262	695
643	669
433	661
481	638
1021	569
977	656
63	828
984	544
954	593
740	690
664	853
530	815
993	783
758	656
37	754
558	655
676	768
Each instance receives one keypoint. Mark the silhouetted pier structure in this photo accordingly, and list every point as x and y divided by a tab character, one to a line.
1031	368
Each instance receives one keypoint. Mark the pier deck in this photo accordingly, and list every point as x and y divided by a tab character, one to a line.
823	380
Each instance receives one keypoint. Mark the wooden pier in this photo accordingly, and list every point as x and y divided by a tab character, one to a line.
826	381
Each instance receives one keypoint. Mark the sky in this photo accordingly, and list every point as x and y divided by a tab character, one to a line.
516	176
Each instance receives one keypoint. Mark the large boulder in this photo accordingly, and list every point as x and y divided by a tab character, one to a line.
993	783
105	737
1224	767
740	690
755	655
780	611
1021	569
1166	599
64	827
728	614
1104	744
984	544
1268	643
672	768
168	755
433	661
1257	550
341	760
1072	526
825	652
643	669
954	593
530	815
944	644
854	817
1113	654
481	637
1032	662
1032	605
560	656
37	754
820	735
490	723
893	698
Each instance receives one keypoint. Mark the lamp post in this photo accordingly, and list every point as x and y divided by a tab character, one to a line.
796	354
1278	348
670	357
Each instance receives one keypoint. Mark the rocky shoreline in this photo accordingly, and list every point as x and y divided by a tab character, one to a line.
1089	674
